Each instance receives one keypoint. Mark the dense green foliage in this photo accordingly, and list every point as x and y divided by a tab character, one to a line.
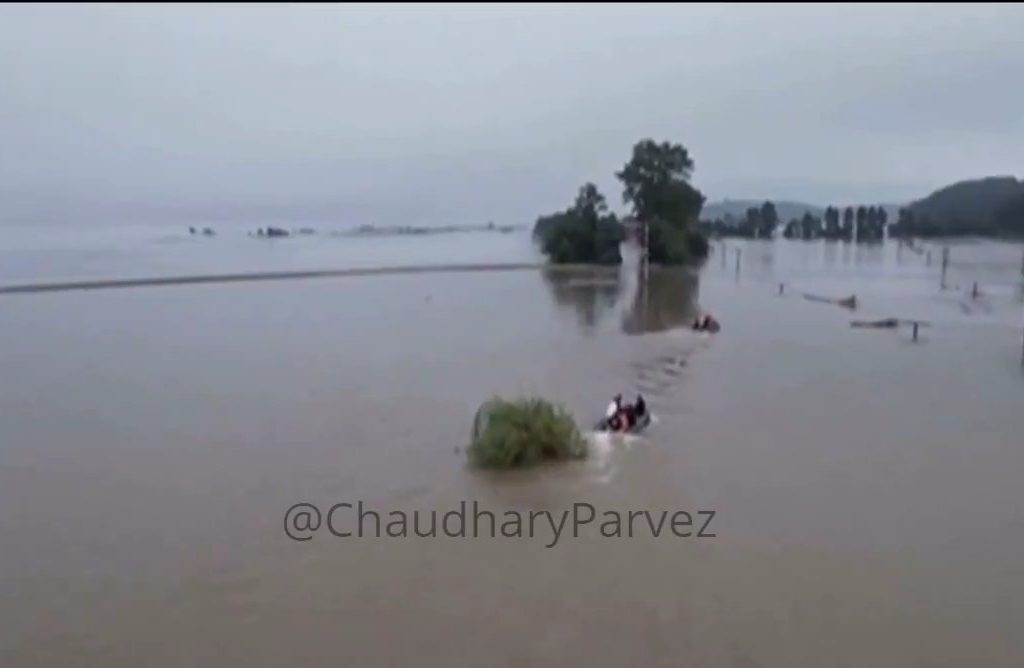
523	432
585	233
656	183
736	209
863	223
697	246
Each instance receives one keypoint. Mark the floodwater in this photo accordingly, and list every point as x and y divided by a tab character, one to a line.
865	487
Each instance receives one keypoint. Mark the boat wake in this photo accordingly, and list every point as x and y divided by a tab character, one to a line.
604	449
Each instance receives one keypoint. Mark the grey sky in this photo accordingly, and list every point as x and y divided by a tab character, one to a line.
495	112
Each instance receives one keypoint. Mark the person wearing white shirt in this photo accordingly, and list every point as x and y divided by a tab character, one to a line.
614	408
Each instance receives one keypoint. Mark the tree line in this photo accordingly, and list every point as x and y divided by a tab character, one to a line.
861	224
656	185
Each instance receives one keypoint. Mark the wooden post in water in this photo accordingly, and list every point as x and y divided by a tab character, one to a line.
738	251
945	265
915	330
781	288
723	249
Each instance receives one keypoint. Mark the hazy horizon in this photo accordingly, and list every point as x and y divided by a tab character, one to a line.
464	114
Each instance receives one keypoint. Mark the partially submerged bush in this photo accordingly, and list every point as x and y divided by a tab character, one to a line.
522	432
585	233
697	246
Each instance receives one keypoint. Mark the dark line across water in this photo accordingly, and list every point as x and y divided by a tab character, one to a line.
106	284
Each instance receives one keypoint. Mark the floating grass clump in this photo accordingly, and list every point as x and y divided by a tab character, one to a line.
522	432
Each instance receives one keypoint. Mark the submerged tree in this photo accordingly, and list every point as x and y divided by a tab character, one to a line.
585	233
769	220
810	226
831	223
846	231
656	184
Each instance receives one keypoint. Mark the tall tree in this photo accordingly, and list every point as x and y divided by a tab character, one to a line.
875	223
769	220
753	221
810	227
656	184
590	203
832	222
847	228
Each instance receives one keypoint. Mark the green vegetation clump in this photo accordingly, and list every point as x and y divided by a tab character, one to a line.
523	432
656	185
585	233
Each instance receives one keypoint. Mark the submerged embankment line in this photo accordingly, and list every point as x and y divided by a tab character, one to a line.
107	284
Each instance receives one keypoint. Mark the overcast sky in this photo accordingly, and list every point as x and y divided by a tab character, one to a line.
470	114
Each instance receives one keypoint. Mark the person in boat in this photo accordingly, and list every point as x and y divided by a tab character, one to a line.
639	407
706	323
614	412
628	416
614	407
622	417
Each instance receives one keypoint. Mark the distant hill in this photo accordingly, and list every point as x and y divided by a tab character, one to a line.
991	205
737	209
1009	217
968	205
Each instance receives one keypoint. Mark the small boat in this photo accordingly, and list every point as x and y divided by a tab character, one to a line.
640	425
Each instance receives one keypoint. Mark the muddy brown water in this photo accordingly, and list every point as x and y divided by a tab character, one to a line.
866	489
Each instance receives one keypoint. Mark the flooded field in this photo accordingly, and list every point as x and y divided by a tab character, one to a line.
865	487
